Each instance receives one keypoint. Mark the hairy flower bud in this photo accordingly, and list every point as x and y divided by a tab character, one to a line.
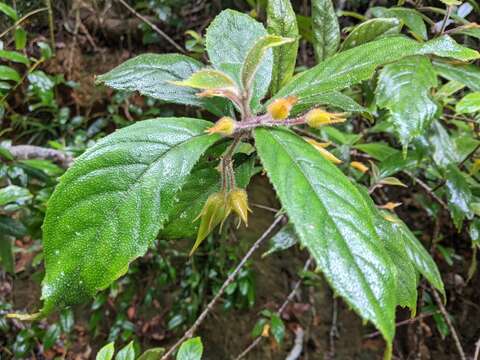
359	166
321	149
238	202
279	109
224	126
214	212
316	118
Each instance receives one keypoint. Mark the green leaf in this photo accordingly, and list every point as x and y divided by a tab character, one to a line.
152	354
207	79
256	54
466	74
110	205
203	181
12	227
444	149
338	229
355	65
326	30
14	56
8	73
282	240
469	104
152	74
459	195
278	328
406	289
410	17
191	349
229	38
473	32
6	253
127	353
106	352
371	30
333	99
13	193
418	255
20	38
379	151
410	115
281	21
9	11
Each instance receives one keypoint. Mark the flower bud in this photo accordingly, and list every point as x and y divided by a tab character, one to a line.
238	202
279	109
319	117
321	149
214	212
224	126
359	166
390	205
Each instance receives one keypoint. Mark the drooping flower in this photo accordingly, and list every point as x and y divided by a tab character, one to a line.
318	117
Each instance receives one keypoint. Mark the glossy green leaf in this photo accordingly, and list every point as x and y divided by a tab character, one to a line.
466	74
106	352
444	149
469	104
14	56
127	353
473	32
326	30
371	30
418	255
278	328
191	349
207	79
152	354
333	99
459	195
14	193
355	65
8	73
281	21
379	151
200	184
229	38
338	230
8	10
410	115
110	205
256	54
410	17
282	240
152	74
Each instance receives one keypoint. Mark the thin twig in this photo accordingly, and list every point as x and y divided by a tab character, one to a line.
445	20
26	152
444	312
477	350
220	292
280	310
297	348
333	328
427	188
153	26
22	19
400	323
51	25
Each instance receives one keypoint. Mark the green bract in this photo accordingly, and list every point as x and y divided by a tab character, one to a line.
153	178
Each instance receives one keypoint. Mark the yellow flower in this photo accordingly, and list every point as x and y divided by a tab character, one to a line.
224	126
319	117
238	202
321	149
279	109
359	166
390	205
214	212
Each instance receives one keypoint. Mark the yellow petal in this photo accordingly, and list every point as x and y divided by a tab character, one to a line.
279	109
224	126
390	205
319	117
359	166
